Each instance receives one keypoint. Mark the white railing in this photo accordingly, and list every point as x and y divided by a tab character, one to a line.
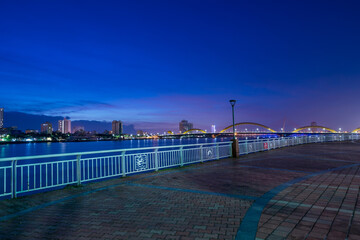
21	175
258	145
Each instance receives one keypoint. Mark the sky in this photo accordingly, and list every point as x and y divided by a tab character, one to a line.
155	63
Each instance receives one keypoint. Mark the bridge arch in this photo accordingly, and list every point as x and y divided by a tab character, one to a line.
355	130
194	129
302	128
170	132
248	123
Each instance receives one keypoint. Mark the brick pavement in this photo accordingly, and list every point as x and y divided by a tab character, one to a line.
302	192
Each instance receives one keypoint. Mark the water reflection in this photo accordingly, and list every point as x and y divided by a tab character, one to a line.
3	150
28	149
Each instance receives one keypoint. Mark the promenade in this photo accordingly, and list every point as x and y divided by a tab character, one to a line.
306	191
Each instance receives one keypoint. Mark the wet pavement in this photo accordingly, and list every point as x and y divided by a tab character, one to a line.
301	192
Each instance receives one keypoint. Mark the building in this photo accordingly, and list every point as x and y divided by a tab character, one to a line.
64	126
184	126
117	127
10	130
27	131
213	128
46	128
1	117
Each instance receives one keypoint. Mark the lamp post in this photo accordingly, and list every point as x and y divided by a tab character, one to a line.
235	143
232	102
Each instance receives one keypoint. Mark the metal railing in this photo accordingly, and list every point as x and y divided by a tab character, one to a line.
21	175
25	175
258	145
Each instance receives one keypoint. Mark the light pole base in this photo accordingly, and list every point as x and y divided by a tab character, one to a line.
235	148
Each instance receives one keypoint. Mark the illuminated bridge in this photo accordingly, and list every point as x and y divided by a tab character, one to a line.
263	129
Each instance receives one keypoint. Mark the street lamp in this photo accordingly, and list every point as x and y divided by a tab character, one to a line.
232	102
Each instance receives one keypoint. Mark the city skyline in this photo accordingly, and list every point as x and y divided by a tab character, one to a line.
182	126
153	64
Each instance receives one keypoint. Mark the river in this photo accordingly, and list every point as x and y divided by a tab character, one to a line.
30	149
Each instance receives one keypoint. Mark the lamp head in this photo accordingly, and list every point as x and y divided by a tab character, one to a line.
232	102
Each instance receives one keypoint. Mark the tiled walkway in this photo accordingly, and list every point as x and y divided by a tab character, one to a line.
302	192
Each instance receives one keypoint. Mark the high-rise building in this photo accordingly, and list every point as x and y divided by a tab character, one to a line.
1	117
64	126
213	129
46	128
117	127
184	126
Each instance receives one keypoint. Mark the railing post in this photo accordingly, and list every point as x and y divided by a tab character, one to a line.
181	157
218	152
246	146
123	167
78	168
13	179
156	159
201	154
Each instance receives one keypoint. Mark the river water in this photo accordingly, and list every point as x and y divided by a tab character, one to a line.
30	149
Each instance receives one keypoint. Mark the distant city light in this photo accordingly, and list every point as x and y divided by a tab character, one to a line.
213	128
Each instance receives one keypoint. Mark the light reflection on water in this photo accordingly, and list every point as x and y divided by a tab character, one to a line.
30	149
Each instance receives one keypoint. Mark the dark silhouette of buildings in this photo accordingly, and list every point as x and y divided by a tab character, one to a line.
184	125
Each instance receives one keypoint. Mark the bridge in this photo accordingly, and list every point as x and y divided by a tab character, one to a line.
312	127
265	129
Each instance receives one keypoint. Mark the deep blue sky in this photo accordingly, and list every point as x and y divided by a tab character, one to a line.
154	63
